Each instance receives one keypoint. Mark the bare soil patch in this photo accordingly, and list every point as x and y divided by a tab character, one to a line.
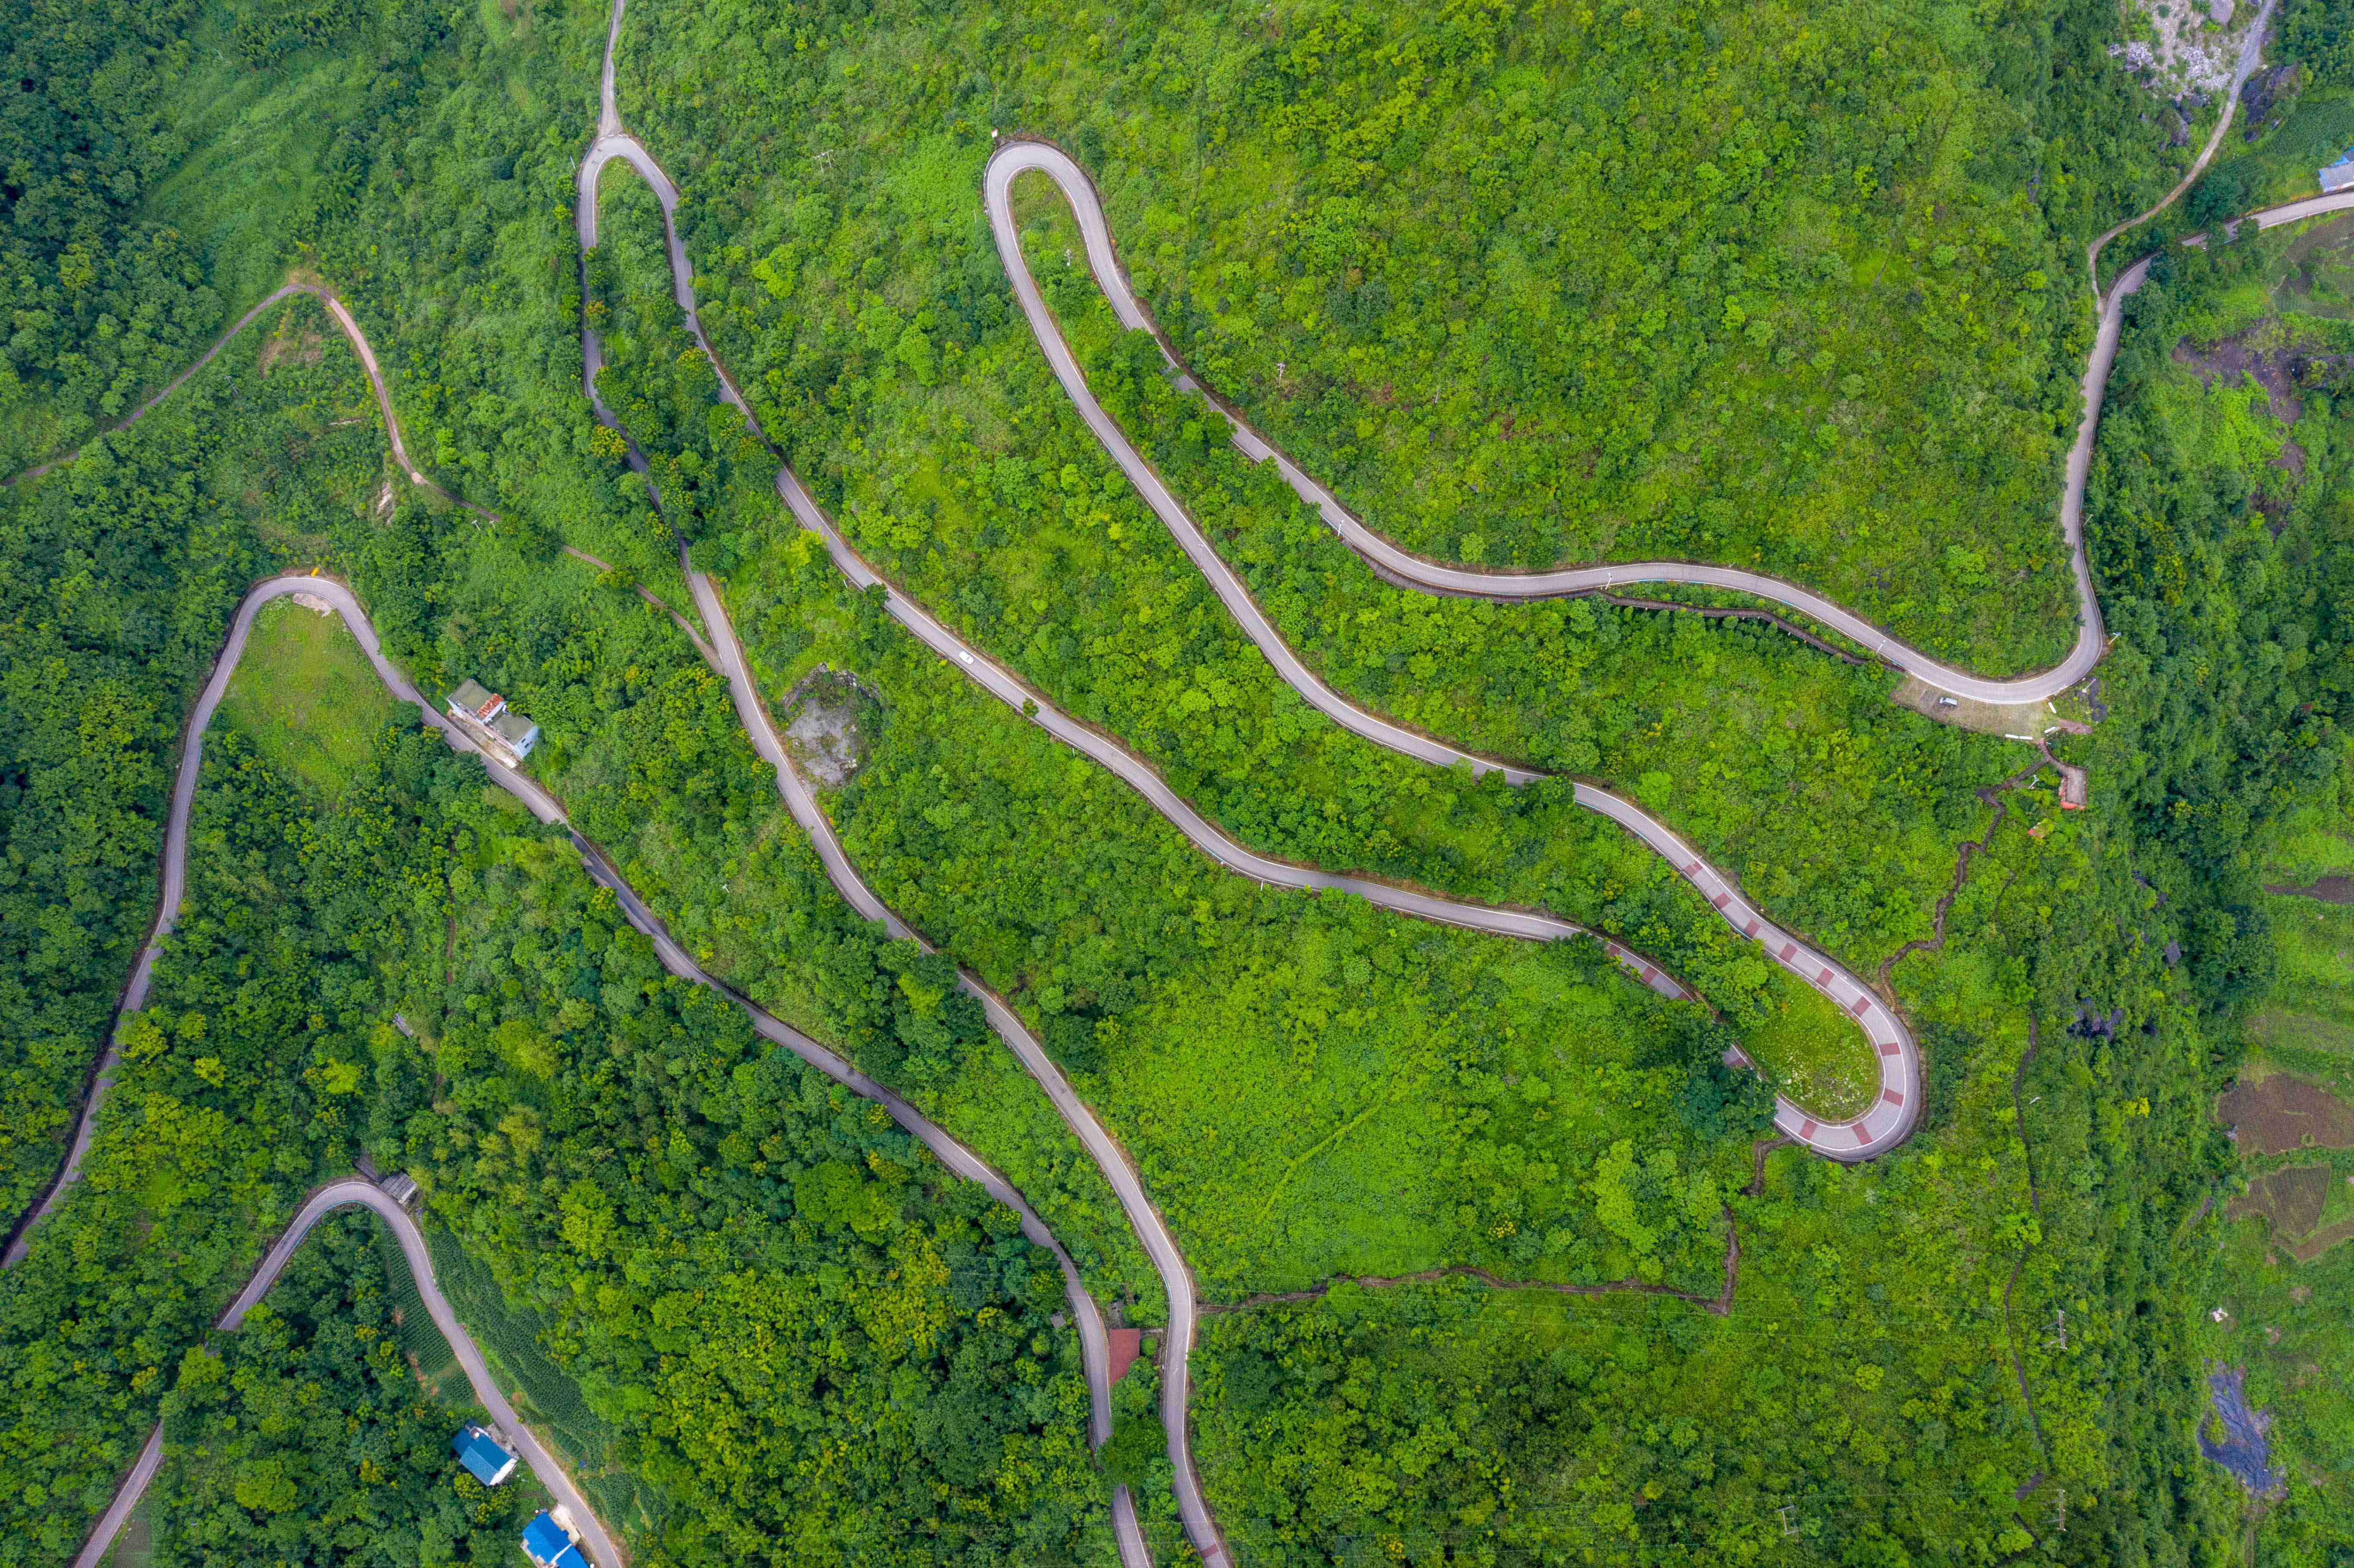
2294	1201
2329	890
2285	1112
2285	374
2321	1241
2014	721
2290	1199
831	719
2184	50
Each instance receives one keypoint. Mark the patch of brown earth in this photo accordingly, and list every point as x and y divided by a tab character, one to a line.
2285	374
2290	1199
2319	1242
2327	889
2284	1112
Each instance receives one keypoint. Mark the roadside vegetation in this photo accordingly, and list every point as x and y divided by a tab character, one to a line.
309	1437
2298	118
1311	1089
117	578
2226	528
873	1288
312	703
1518	297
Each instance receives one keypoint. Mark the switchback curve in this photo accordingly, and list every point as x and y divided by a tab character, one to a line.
1017	158
1896	1106
613	142
344	1194
1160	1246
359	345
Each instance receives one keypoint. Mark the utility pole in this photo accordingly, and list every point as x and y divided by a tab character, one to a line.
1790	1525
2059	1342
2059	1519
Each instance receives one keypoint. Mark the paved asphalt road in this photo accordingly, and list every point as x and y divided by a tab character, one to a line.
486	1390
528	1447
2252	53
613	142
1018	157
1897	1105
1887	1123
1896	1109
175	836
1094	1339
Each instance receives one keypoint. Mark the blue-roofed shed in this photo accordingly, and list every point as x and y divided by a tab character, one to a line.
483	1453
546	1543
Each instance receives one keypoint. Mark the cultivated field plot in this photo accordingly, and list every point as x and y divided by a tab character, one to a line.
2280	1112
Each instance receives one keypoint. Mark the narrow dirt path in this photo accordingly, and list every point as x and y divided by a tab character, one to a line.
1992	795
2019	1265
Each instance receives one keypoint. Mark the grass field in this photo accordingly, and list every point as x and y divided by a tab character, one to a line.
1813	1051
2286	1270
2307	1023
306	696
543	1394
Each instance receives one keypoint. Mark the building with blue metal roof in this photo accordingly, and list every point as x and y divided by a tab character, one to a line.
483	1453
545	1542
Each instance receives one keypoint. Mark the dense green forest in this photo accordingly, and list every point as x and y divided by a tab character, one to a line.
1778	286
735	1260
2233	529
309	1439
1837	339
118	576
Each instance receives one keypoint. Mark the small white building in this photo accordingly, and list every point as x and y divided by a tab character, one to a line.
2337	175
484	716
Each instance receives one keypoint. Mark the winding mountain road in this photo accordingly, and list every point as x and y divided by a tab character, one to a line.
1094	1339
613	142
2251	53
1014	159
344	1194
1889	1121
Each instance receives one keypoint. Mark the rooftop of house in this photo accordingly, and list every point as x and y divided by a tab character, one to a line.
514	728
547	1545
483	1453
472	696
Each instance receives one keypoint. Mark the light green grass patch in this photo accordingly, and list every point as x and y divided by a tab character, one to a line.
255	140
306	696
1815	1055
2316	944
2278	1029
